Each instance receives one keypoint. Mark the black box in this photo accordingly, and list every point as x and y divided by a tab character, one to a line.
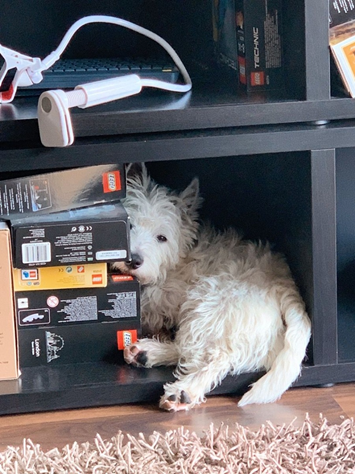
224	33
62	190
77	325
88	235
259	42
341	11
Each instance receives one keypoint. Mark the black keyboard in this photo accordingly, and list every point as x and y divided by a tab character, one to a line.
68	73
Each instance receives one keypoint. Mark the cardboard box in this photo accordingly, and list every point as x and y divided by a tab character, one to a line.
8	338
342	46
259	43
89	235
68	276
62	190
77	325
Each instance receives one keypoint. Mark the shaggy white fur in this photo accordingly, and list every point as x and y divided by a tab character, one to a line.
233	303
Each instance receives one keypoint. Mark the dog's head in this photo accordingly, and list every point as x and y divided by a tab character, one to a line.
164	226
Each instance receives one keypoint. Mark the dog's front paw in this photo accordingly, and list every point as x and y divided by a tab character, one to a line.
178	401
134	355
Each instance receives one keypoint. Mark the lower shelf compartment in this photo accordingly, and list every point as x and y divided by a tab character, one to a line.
101	384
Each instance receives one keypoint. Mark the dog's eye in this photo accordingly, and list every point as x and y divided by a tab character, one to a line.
131	226
161	238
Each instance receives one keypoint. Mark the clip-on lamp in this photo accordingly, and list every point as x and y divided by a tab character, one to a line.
54	119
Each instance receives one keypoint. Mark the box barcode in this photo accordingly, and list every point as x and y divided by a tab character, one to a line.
36	253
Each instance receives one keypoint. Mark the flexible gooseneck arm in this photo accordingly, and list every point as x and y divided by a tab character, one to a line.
48	61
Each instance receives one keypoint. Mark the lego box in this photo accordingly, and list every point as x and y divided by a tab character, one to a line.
61	190
247	38
89	235
224	33
259	43
71	345
77	325
66	276
8	338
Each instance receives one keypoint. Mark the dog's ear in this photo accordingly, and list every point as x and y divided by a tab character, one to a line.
137	175
134	170
190	198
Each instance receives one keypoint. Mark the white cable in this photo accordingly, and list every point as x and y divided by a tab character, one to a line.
168	86
55	55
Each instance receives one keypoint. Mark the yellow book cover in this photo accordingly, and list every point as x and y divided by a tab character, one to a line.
342	45
56	278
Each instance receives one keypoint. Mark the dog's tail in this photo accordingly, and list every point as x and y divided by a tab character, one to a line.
286	367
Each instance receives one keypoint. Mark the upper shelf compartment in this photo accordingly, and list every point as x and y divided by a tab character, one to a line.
215	101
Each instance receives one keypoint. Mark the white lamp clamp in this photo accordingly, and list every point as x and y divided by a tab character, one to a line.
54	119
55	126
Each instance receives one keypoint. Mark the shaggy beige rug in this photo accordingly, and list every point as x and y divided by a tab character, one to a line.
312	448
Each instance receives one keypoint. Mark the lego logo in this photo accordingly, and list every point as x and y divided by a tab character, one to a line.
112	181
97	279
127	339
257	78
29	274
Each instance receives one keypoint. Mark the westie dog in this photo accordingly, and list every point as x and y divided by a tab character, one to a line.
233	303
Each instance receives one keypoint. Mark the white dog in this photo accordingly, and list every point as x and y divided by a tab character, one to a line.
233	303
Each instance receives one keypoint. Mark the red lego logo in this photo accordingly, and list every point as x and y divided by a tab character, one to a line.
97	279
257	78
111	181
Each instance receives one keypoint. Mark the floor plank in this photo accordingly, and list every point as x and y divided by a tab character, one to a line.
56	429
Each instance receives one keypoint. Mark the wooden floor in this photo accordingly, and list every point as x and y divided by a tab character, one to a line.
59	428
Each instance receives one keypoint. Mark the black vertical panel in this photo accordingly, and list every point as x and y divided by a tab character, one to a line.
294	49
325	339
317	50
345	192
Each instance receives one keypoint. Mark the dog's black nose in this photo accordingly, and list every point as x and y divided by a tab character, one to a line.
135	262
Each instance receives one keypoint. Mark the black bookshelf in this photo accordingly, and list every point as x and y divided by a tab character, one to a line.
268	163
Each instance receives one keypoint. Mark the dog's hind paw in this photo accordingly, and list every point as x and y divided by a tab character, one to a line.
173	402
134	356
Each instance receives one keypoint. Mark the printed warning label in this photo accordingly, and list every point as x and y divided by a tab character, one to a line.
83	308
124	305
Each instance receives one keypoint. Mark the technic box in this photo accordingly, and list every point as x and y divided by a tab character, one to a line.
248	38
77	325
259	43
61	190
89	235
